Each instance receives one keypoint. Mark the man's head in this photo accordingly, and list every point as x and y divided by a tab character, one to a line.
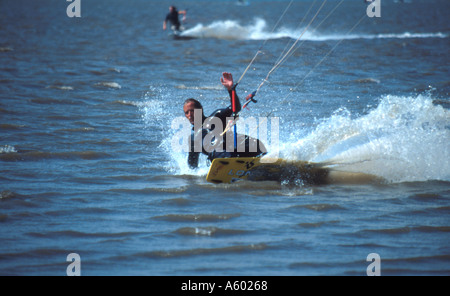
189	106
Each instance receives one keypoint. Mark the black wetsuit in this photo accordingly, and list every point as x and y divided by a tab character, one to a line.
172	17
222	114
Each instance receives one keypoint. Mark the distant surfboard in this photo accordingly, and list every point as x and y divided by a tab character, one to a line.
178	35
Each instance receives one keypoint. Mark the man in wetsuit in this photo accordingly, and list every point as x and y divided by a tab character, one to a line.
206	135
172	17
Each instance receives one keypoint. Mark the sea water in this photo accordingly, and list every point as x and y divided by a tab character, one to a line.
87	106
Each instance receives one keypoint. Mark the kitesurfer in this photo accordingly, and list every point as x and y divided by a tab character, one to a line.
208	125
173	18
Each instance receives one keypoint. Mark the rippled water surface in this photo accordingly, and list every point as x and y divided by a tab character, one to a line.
88	167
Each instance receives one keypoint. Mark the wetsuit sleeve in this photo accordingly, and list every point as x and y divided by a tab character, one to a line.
224	113
194	156
228	112
193	159
238	102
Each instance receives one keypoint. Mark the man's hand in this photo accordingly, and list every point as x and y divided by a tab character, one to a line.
227	80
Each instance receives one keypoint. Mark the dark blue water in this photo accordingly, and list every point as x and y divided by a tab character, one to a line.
88	166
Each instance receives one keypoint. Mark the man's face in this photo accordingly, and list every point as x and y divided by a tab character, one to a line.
189	111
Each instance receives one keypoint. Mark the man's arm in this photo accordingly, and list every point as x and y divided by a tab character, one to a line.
238	102
227	81
183	12
165	22
193	159
196	139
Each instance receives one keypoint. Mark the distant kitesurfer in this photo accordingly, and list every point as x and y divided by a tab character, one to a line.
253	147
173	18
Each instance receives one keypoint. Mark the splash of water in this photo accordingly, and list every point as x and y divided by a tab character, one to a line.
230	29
7	149
404	139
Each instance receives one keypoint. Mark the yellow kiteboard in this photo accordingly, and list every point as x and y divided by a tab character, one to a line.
230	170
